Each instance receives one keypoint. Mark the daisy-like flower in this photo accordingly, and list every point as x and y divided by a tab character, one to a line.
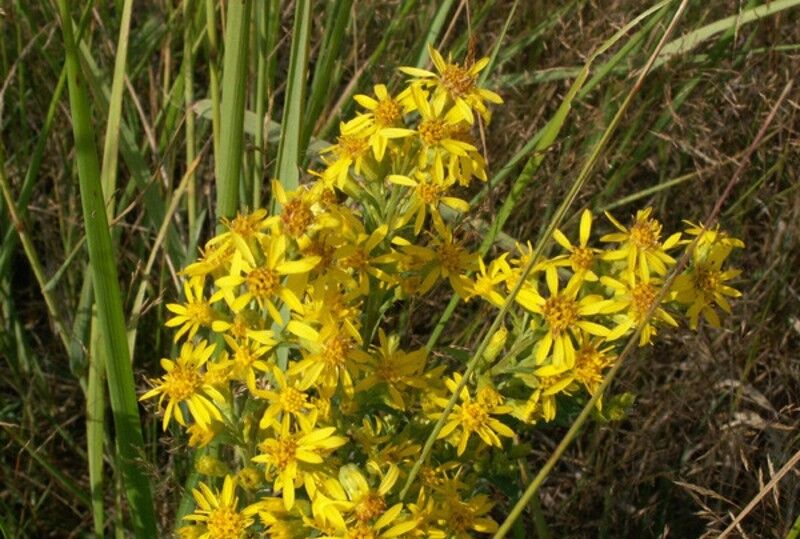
264	282
218	515
291	456
704	285
288	399
472	415
183	383
357	256
581	257
563	315
547	382
247	357
489	279
444	257
428	193
633	299
331	355
397	370
461	518
641	245
243	232
458	83
591	361
349	151
193	314
246	324
436	128
384	114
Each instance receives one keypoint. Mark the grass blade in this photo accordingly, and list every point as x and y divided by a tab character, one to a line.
234	84
289	150
107	294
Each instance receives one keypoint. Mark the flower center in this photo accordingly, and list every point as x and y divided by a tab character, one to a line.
360	532
263	282
458	80
370	507
645	233
432	131
244	225
428	193
285	453
292	400
181	382
450	257
387	112
351	146
224	523
359	260
473	415
296	217
582	258
336	349
707	280
560	313
642	297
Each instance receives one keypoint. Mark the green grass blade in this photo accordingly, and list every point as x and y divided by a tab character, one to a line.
321	86
691	40
234	84
289	150
107	294
95	426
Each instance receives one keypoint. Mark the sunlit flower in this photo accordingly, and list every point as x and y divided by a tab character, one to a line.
472	416
581	257
641	245
193	314
632	301
458	82
218	515
183	384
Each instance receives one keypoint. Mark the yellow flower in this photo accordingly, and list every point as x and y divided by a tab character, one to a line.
331	355
436	129
547	382
641	246
460	518
288	399
563	314
218	514
581	257
291	455
397	370
428	193
458	82
357	256
488	279
443	257
245	324
244	232
183	383
591	360
704	284
472	416
264	282
381	120
192	315
247	359
636	297
349	151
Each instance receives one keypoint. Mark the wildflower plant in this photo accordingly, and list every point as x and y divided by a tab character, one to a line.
293	357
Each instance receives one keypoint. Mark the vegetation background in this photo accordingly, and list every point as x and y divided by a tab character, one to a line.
716	413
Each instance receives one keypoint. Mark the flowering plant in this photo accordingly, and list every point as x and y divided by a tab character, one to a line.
296	372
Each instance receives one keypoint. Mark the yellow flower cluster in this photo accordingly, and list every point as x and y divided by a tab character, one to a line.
291	332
